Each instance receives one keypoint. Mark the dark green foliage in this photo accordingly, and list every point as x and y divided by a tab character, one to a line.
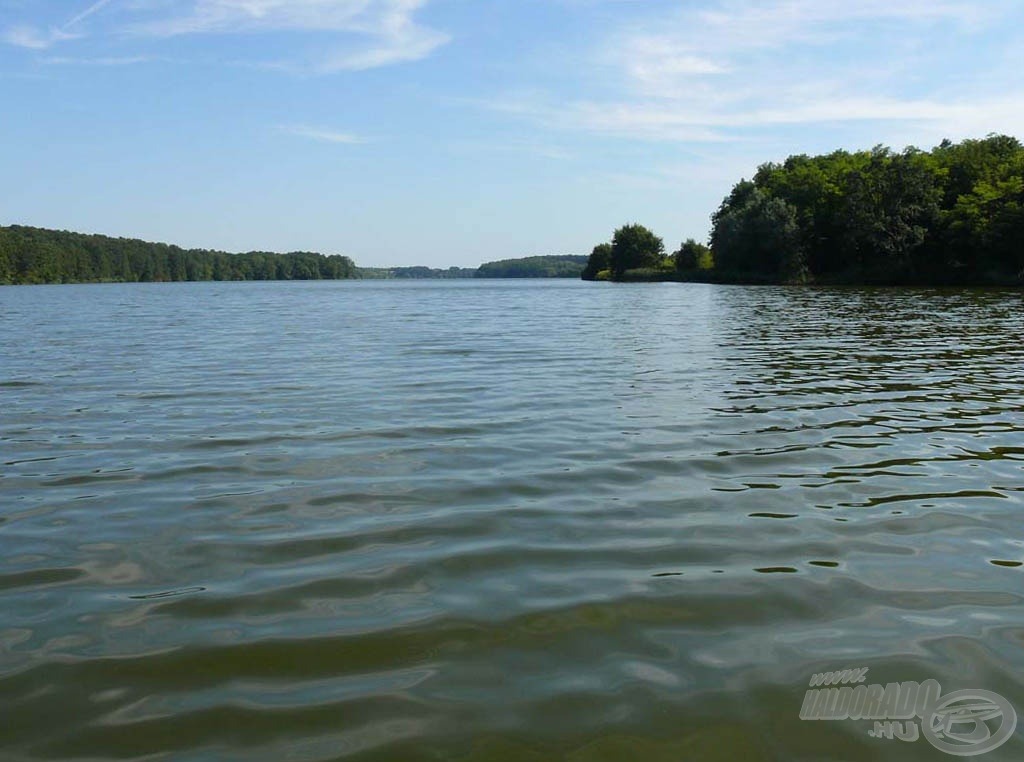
890	206
952	215
692	256
554	266
6	258
565	266
634	247
648	275
984	224
35	255
418	272
600	259
757	235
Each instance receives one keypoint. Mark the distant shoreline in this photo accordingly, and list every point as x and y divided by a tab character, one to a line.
38	256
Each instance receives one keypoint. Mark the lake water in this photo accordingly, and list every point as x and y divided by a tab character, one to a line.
500	520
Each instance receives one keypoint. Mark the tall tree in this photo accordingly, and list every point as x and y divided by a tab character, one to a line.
692	256
756	236
600	259
634	246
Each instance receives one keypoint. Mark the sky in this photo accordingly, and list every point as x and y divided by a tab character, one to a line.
453	132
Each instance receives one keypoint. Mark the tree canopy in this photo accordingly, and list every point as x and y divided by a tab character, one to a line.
634	246
952	215
548	266
36	255
692	256
598	261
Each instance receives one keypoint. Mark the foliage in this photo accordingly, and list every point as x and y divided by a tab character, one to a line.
420	272
373	273
598	261
556	266
633	247
758	234
35	255
692	256
648	275
951	215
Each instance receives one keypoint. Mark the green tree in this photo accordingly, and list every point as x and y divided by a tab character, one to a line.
890	206
600	259
35	255
756	236
692	256
545	266
634	246
6	259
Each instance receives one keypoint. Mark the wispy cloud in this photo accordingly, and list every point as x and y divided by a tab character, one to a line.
721	71
99	61
34	38
96	7
523	146
37	38
340	34
320	134
376	32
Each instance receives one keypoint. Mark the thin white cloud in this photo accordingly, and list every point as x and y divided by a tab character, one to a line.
94	8
33	38
730	70
523	146
320	134
36	38
669	57
100	61
339	34
744	24
411	45
378	32
658	121
236	16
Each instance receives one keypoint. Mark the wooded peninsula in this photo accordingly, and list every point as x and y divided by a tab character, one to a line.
950	216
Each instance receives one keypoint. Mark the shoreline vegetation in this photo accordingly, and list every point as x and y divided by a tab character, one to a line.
31	255
950	216
37	256
946	217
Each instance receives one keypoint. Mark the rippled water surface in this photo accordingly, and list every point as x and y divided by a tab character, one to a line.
500	520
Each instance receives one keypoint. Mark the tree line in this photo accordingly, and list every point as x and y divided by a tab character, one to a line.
36	255
548	266
952	215
544	266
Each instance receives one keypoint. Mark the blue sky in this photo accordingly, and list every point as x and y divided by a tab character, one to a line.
450	132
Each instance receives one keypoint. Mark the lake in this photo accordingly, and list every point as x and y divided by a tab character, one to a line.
500	520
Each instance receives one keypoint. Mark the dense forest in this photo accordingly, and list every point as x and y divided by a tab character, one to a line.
555	266
552	266
952	215
34	255
415	272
